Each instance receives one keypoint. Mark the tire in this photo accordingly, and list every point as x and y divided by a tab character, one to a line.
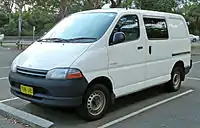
194	40
96	96
176	79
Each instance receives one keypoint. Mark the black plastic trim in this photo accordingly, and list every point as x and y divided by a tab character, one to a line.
181	53
49	92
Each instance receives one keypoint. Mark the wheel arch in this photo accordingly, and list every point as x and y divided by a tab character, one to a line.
180	64
105	81
102	80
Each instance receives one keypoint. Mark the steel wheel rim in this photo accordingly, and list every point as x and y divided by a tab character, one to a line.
176	80
96	103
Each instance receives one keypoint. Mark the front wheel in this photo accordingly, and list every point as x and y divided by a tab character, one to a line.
175	83
95	102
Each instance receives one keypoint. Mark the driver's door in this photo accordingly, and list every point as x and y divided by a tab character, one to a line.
127	59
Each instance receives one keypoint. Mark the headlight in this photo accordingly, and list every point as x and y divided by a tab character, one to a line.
64	73
14	67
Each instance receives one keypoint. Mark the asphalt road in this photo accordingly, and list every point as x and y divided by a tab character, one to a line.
181	112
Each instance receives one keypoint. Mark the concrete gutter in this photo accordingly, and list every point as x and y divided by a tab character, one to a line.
23	117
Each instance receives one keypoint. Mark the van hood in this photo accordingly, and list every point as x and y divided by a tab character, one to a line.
46	56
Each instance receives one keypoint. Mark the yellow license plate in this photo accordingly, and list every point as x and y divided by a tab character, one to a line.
26	90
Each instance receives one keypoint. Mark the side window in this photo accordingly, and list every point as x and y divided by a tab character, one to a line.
156	29
129	25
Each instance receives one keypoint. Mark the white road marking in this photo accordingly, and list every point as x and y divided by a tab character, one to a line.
3	78
196	62
6	100
193	78
4	67
144	109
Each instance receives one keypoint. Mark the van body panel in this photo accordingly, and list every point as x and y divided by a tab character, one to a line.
141	86
94	62
127	61
159	60
46	56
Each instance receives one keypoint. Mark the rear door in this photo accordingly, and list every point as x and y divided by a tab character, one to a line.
158	52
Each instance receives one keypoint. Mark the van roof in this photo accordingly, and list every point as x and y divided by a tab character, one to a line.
137	11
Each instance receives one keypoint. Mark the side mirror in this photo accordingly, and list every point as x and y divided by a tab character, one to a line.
118	37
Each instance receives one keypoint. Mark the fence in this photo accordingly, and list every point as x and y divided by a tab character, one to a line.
19	43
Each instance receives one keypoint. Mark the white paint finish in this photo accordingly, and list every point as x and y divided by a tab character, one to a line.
193	78
184	58
144	109
137	11
3	78
158	68
127	62
177	28
140	86
157	81
94	62
6	100
160	62
50	55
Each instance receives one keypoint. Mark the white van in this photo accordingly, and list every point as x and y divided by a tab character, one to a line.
91	58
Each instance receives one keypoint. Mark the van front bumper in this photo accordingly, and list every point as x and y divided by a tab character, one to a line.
62	93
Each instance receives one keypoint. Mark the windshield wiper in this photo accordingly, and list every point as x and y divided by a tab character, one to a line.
53	39
82	38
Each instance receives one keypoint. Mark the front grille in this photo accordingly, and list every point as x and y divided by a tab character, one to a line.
32	72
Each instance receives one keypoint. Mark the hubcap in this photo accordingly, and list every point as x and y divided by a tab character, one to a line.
96	103
176	80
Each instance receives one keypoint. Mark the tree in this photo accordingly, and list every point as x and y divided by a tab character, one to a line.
115	4
95	3
194	18
157	5
50	6
20	5
63	10
4	18
145	4
7	5
166	5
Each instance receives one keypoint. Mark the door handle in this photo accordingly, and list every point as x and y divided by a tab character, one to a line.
140	47
150	50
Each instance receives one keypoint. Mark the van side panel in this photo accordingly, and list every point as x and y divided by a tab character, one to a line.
180	41
159	64
159	54
165	53
93	63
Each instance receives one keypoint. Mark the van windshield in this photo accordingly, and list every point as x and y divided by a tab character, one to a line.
80	27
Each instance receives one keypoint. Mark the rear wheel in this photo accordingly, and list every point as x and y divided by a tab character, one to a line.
194	40
176	79
95	102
